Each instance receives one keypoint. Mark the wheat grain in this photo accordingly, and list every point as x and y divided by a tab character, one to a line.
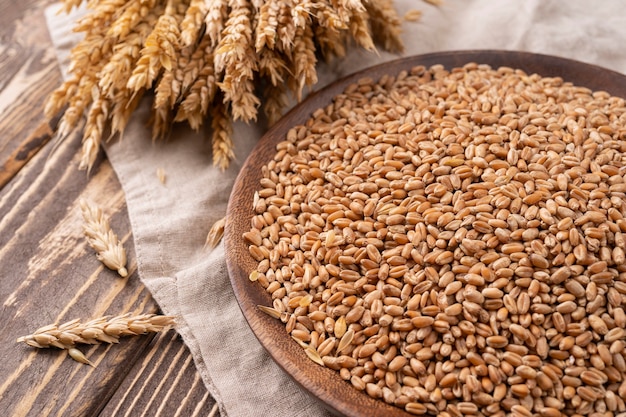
413	15
160	173
102	239
215	233
79	356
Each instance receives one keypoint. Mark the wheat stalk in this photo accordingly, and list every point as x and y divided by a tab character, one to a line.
102	239
105	329
221	136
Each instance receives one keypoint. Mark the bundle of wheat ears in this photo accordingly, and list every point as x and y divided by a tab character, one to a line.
213	61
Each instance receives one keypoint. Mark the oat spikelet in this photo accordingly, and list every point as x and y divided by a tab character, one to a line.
102	239
215	234
191	26
105	329
221	141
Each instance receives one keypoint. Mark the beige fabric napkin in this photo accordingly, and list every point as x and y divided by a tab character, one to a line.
170	222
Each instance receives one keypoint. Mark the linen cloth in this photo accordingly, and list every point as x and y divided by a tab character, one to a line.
170	221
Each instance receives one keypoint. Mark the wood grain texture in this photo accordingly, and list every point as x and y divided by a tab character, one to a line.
28	72
167	372
322	383
47	272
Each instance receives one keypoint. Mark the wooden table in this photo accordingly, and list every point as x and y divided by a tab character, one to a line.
48	275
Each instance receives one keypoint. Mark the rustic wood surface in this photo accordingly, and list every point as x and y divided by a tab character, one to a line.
48	275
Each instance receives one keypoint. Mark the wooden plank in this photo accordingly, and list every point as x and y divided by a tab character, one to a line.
50	275
47	272
28	73
167	371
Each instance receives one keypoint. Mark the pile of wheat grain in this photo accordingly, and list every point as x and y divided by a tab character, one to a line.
452	242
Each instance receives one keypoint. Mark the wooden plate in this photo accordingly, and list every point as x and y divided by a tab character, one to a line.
322	383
